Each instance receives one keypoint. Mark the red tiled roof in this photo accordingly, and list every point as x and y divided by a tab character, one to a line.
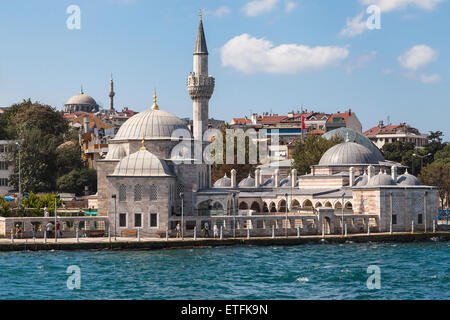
316	132
241	121
380	130
343	115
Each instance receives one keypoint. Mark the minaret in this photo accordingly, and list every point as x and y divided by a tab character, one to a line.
111	95
200	85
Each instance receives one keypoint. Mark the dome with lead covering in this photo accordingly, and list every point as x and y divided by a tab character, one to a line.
269	182
115	152
407	179
224	182
348	153
248	182
150	124
82	99
142	164
381	179
362	180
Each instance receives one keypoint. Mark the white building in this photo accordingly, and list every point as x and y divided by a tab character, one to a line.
6	166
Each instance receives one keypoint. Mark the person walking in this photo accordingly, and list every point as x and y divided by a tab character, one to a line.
178	230
58	229
216	231
33	229
49	229
206	230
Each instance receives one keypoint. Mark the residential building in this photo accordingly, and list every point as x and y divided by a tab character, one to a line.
382	134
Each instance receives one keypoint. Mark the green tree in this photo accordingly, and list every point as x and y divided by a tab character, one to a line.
77	179
308	151
5	208
438	174
34	204
443	155
68	158
395	151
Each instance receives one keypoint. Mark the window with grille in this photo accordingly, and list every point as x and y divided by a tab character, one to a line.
138	193
123	192
3	165
180	189
3	182
122	220
153	193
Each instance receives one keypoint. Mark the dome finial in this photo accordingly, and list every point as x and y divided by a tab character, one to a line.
200	14
347	138
155	105
81	89
143	148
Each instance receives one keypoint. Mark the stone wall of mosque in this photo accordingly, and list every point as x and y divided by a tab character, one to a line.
142	196
322	182
104	168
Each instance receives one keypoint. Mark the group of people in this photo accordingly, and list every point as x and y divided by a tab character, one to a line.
18	232
205	230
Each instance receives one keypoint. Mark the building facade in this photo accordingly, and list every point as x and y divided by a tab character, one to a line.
382	134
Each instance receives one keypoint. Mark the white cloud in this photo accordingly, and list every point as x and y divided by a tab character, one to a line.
257	7
428	79
251	55
289	6
417	57
390	5
221	11
354	26
361	61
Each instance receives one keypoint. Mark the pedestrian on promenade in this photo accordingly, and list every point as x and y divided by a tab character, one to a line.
18	231
49	229
58	229
33	229
206	230
178	230
216	231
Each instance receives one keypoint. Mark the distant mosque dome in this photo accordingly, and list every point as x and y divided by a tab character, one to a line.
348	153
355	136
142	164
224	182
81	102
407	179
150	124
381	179
248	182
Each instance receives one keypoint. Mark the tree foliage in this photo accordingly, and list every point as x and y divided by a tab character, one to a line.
77	179
309	150
438	174
34	204
5	208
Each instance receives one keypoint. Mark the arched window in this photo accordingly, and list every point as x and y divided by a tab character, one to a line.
348	206
265	208
138	192
338	205
307	204
273	208
255	207
318	205
295	205
153	192
282	206
123	192
328	204
243	206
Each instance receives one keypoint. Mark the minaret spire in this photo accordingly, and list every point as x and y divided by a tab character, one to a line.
200	84
111	95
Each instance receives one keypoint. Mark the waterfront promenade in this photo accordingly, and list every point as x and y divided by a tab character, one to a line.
127	243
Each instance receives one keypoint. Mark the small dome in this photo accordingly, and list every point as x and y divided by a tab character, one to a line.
150	124
381	179
355	136
362	180
269	182
142	164
115	152
407	179
224	182
348	153
81	99
248	182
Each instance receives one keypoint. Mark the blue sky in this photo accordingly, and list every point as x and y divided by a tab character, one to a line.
266	55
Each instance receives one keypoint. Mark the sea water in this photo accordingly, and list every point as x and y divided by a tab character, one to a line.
325	271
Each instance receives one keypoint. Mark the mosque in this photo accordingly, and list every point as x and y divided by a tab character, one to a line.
142	186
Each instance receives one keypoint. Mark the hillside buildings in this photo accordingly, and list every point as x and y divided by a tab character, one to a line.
382	134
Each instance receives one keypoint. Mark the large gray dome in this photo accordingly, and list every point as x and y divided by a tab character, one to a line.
355	136
115	152
142	164
348	153
150	124
82	99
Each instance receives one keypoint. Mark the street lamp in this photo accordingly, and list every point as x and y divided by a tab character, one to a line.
20	184
115	217
234	215
286	230
182	215
56	205
421	159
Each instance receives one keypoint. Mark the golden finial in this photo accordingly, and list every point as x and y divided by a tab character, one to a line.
143	144
155	105
200	14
